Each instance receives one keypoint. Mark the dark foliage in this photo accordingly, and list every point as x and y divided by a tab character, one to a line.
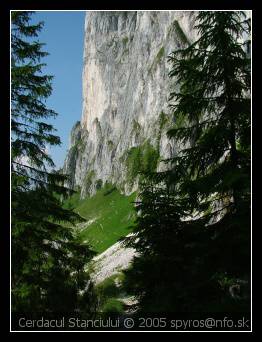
48	260
193	231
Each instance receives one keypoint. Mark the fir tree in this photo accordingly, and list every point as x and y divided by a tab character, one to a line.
48	260
193	234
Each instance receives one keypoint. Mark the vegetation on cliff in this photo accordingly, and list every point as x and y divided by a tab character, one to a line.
140	160
109	216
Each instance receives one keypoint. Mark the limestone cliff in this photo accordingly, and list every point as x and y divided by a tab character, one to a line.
125	95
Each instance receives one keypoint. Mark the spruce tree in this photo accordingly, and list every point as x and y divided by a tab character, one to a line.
193	232
48	260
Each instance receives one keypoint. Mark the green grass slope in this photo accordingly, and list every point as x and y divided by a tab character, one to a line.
109	213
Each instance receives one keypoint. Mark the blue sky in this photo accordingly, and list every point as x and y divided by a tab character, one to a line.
63	34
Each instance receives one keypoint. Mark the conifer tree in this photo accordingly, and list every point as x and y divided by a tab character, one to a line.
193	233
48	260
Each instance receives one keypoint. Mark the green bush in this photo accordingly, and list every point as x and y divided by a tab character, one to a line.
107	288
113	305
99	184
140	160
125	40
160	54
136	126
180	33
109	293
110	145
157	59
163	120
89	180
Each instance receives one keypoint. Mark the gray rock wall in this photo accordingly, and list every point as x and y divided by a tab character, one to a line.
125	89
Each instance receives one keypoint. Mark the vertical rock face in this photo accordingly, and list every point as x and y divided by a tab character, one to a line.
125	93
